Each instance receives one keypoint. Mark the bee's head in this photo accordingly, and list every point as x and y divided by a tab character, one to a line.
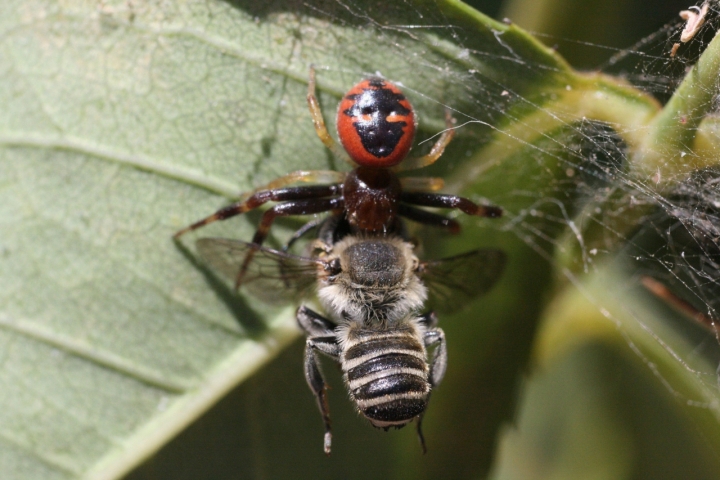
375	280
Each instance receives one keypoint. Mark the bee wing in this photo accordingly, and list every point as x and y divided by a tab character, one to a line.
271	275
454	281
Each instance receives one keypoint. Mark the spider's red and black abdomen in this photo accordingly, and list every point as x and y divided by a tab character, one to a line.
376	123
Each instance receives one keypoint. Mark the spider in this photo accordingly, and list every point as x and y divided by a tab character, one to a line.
376	126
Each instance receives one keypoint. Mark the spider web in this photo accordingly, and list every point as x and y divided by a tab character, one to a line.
675	232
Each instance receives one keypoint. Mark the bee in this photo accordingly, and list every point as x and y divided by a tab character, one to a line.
373	289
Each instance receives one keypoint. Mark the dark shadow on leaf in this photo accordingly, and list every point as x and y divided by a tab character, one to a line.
248	319
332	11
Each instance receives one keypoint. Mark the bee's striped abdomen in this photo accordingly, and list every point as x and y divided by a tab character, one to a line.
387	376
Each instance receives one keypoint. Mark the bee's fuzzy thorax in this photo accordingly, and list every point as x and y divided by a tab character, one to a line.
385	288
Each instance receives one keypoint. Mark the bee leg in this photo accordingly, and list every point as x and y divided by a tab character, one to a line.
429	320
438	363
428	218
313	324
317	384
441	200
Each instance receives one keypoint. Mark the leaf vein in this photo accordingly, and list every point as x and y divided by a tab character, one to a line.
100	357
187	175
48	459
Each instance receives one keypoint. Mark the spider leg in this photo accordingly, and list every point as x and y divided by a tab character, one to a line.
319	122
441	200
420	184
312	224
428	218
305	176
296	207
259	198
435	152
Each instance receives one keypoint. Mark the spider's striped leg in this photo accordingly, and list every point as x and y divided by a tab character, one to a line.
319	122
263	196
435	152
428	218
441	200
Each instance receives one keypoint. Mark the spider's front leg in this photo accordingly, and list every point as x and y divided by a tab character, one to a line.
321	177
319	122
441	200
263	196
428	218
435	152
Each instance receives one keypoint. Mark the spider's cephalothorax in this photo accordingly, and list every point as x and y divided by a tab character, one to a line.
376	126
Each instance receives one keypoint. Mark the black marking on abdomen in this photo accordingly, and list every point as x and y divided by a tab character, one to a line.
378	136
385	362
382	345
398	384
397	412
